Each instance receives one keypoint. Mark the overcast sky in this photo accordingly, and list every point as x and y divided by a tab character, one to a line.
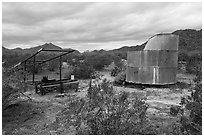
89	26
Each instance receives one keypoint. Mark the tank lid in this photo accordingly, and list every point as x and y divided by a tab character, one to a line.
163	42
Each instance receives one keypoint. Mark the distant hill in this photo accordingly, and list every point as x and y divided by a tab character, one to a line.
131	48
31	50
189	41
45	46
14	56
4	50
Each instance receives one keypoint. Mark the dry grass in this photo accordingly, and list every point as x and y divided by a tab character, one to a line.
44	115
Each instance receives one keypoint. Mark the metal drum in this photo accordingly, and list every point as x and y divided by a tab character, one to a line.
157	63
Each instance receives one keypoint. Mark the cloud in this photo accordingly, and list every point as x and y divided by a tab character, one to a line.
89	26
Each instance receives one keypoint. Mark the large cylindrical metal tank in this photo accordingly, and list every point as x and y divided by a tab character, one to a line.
157	63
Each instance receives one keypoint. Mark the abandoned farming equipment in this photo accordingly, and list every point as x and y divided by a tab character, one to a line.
56	85
45	85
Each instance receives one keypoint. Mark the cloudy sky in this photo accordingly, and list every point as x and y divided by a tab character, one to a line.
89	26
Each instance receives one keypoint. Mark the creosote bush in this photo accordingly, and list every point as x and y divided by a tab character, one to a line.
191	118
9	94
104	112
53	65
194	62
115	71
83	71
120	78
12	86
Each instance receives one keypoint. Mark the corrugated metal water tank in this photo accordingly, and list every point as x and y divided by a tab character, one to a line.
157	63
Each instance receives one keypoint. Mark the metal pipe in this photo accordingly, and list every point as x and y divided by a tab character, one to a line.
61	85
33	69
56	50
60	68
37	61
33	55
56	57
24	72
43	61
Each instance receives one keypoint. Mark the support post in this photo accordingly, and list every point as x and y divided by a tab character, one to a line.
33	69
24	71
61	84
24	78
60	68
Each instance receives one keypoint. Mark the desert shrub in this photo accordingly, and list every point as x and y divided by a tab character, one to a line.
115	71
191	118
118	62
13	58
38	69
97	61
69	72
194	62
83	71
120	78
74	59
12	86
174	110
183	56
9	94
104	112
53	65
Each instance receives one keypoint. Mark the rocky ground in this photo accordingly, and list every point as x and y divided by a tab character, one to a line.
43	114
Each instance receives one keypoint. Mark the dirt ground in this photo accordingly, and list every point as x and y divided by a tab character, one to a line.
43	114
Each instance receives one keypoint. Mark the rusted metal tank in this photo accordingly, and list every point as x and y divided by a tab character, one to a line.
157	63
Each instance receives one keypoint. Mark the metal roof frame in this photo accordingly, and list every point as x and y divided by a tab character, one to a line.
39	62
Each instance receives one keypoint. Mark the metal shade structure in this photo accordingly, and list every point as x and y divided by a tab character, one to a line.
32	59
157	63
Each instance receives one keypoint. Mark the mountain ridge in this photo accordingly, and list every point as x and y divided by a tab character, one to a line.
189	40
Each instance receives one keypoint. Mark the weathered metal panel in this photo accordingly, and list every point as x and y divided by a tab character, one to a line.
132	74
149	58
146	75
156	64
163	42
157	75
133	58
168	58
163	58
151	75
167	75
